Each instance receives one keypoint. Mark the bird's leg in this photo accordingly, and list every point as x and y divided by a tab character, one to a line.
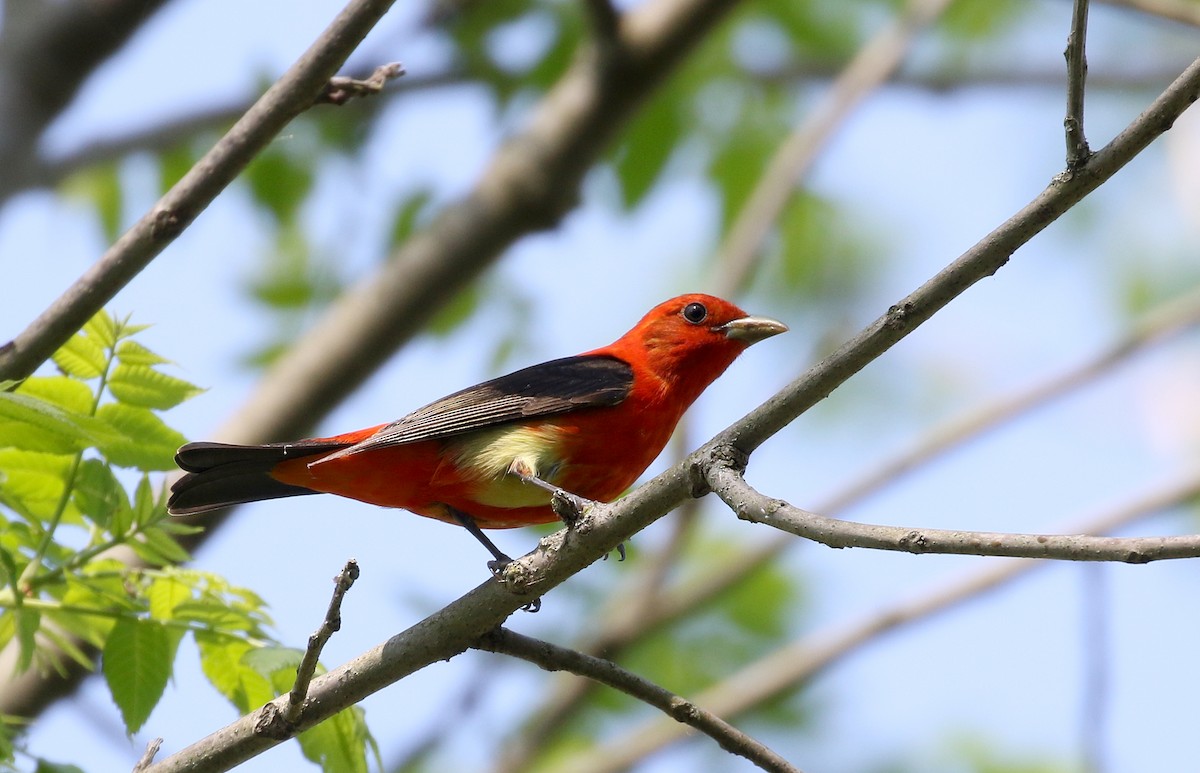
567	506
502	559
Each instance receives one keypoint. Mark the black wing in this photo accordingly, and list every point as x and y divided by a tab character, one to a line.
554	387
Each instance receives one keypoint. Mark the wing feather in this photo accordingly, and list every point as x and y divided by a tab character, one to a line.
550	388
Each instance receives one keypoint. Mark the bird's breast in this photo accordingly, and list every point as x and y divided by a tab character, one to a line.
485	457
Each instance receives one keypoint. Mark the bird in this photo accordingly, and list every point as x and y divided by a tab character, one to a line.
493	456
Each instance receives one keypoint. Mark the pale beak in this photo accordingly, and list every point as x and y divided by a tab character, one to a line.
752	329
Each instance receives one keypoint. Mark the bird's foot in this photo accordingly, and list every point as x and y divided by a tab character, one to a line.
620	552
569	507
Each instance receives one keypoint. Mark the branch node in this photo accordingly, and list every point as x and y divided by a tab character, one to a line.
166	226
897	316
148	756
341	89
272	723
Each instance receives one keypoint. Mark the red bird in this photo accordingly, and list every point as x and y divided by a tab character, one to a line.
490	456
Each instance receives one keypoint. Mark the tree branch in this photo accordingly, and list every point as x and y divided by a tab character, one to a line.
750	505
316	642
551	657
1077	145
288	97
799	662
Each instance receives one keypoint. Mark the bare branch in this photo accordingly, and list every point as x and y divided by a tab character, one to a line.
312	654
752	506
801	661
872	65
289	96
1077	145
551	657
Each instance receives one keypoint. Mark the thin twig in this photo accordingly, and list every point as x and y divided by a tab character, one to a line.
148	755
755	507
288	97
554	658
1077	145
872	66
341	89
316	642
799	662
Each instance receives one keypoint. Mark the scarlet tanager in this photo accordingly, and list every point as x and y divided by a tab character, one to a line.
492	455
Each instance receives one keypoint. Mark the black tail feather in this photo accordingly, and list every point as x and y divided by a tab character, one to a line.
220	474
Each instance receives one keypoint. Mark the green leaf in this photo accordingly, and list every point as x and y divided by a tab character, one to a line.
165	594
221	660
81	357
102	329
280	182
651	140
173	164
46	766
408	215
133	353
142	441
137	664
31	424
157	547
100	185
143	386
33	481
145	504
339	744
28	621
455	312
97	493
67	393
268	661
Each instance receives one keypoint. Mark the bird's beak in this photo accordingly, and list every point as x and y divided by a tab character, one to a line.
752	329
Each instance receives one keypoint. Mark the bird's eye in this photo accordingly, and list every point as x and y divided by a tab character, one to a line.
695	313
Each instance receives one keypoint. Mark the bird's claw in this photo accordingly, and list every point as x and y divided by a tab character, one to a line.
620	552
497	568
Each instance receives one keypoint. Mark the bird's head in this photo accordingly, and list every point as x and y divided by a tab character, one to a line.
692	339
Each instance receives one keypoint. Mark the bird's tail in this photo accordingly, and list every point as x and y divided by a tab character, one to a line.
220	474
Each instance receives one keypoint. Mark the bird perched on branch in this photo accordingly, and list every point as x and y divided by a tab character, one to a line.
492	456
